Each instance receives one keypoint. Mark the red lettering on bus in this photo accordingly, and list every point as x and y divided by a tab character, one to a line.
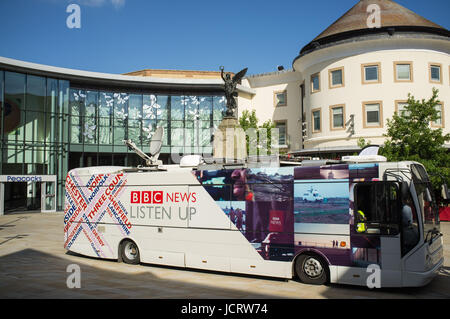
146	197
157	197
135	197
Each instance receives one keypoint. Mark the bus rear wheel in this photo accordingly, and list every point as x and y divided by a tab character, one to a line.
129	252
311	269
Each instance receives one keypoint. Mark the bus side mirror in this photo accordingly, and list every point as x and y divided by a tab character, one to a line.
428	197
444	192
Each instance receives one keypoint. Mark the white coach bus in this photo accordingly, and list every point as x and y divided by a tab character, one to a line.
251	219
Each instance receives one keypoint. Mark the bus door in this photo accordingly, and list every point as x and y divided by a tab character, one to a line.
375	234
411	230
422	243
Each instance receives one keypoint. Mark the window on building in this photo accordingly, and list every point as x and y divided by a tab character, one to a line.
177	123
315	83
403	71
282	132
372	114
35	119
316	120
106	103
336	77
120	118
400	107
1	110
280	98
157	107
205	117
219	107
435	73
76	106
371	73
337	117
14	115
90	129
135	118
440	121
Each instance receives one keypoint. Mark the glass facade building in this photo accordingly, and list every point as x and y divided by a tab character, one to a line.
50	125
101	120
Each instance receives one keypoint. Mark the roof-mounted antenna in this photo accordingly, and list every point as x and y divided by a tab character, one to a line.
155	148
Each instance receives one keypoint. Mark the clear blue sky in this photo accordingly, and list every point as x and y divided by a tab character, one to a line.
119	36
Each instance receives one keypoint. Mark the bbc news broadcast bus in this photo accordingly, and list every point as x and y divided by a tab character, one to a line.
252	218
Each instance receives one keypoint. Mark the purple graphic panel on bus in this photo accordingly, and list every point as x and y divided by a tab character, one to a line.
340	171
270	214
260	204
284	211
322	212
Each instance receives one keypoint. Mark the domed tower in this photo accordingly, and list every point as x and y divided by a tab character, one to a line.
359	71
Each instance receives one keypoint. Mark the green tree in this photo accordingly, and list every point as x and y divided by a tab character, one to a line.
411	137
248	120
362	142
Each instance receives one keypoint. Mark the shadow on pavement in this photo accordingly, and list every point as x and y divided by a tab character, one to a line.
33	274
439	287
8	224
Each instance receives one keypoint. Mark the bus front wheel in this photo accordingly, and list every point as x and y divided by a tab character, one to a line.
311	269
129	252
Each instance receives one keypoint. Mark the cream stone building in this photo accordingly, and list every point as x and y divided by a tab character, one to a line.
352	77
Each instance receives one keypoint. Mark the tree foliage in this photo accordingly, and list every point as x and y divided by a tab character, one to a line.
362	142
411	137
248	120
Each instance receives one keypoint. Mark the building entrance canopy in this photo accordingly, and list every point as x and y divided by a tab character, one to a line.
48	189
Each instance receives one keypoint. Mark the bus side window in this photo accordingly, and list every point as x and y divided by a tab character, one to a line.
391	193
410	226
363	199
378	204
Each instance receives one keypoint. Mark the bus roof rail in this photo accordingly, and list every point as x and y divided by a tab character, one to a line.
319	162
364	159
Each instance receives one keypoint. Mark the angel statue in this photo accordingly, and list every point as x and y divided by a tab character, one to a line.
230	89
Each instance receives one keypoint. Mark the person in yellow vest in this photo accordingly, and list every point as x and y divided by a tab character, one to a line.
361	225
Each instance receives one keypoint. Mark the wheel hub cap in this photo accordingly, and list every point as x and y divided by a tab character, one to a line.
312	267
131	251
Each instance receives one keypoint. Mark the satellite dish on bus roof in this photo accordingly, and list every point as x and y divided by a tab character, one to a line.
156	141
155	148
370	150
368	154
